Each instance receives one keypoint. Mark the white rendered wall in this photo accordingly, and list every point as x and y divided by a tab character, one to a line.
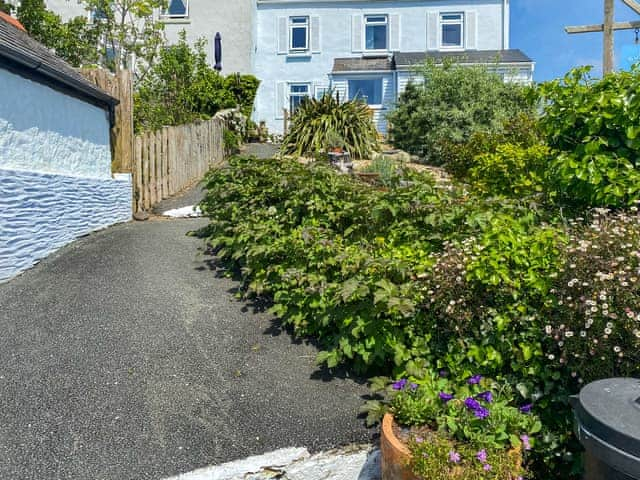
43	130
336	39
234	20
55	173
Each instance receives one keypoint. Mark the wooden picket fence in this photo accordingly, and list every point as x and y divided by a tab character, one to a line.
174	158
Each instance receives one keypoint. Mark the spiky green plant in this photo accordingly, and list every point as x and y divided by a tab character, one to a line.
316	120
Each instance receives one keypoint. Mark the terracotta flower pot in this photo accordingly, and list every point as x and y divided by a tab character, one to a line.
396	457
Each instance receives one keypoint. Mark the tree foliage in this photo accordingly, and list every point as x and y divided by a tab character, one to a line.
449	104
181	87
129	32
5	7
76	41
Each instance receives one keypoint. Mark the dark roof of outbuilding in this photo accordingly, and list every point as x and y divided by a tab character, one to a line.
20	52
364	64
406	59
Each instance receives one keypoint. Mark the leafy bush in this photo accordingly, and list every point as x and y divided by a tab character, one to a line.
231	141
317	119
467	430
450	104
181	88
389	170
244	89
595	124
459	157
511	171
419	277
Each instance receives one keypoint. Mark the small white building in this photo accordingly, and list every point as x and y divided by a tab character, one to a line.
368	49
55	154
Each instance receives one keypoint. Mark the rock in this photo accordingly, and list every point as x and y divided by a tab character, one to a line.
397	155
141	216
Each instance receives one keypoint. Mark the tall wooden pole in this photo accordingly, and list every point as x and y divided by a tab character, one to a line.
607	65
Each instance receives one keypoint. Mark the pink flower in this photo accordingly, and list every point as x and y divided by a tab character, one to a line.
454	457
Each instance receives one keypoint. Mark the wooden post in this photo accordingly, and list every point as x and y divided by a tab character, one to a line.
608	62
165	162
145	170
137	175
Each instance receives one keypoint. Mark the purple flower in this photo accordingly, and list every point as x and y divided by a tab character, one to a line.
471	403
419	439
525	442
481	413
400	384
526	408
445	397
454	456
443	373
474	380
413	386
486	396
486	467
482	455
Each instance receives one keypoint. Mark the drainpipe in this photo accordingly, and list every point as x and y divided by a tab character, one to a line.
505	24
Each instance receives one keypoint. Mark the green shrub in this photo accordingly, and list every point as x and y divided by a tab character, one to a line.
511	171
419	277
595	126
244	89
389	170
316	120
452	103
459	157
181	88
231	141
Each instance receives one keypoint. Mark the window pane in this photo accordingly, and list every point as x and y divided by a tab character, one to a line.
451	35
299	88
299	20
177	7
380	19
452	16
299	37
376	37
368	90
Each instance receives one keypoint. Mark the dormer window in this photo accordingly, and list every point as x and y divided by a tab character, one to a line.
452	28
376	32
177	9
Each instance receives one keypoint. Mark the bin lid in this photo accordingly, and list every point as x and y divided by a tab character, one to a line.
610	410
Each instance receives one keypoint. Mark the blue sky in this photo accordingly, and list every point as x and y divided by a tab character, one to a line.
537	28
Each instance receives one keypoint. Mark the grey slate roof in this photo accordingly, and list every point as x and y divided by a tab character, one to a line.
364	64
18	51
407	59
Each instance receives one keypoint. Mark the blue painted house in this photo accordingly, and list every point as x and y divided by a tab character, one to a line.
369	49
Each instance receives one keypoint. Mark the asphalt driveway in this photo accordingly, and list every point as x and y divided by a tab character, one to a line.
123	356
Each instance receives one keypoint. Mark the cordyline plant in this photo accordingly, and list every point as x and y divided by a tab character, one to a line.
316	121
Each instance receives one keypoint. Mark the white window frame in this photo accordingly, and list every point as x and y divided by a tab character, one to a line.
166	13
375	24
291	94
443	22
373	106
307	27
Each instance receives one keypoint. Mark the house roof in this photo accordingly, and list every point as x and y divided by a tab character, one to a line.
364	64
27	57
13	21
408	59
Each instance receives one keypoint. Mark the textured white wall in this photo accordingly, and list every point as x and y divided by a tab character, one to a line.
41	212
43	130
